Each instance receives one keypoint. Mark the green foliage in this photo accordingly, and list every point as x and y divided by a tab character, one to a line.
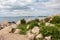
42	23
23	21
37	20
48	30
45	30
22	28
32	21
32	24
55	20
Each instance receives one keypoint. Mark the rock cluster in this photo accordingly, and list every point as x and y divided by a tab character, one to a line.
10	31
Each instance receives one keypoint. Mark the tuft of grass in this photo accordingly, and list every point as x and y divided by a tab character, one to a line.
22	28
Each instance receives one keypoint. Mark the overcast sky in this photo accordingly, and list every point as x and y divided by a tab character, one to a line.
29	7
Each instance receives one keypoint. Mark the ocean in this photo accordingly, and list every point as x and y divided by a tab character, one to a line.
10	19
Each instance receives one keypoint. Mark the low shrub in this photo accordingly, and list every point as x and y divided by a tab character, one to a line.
50	31
23	21
37	20
22	28
55	20
32	24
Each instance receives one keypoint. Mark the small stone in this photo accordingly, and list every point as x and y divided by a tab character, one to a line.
13	25
52	25
35	30
17	31
18	22
28	20
48	37
38	23
28	26
39	36
47	24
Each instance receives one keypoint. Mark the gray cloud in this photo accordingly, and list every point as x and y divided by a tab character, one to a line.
29	7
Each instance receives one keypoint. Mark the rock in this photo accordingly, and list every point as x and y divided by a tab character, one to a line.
3	25
28	26
18	22
5	22
49	24
30	36
39	36
47	19
44	39
28	20
1	37
48	37
52	25
35	30
6	30
17	31
13	25
51	19
12	36
38	23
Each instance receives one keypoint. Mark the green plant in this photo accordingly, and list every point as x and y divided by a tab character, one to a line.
42	23
32	21
23	21
32	24
55	20
48	30
37	20
22	28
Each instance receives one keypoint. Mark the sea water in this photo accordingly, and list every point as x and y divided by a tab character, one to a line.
19	18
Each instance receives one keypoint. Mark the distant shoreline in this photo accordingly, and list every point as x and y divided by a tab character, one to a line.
21	17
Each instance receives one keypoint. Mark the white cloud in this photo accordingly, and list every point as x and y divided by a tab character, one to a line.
15	2
8	7
50	4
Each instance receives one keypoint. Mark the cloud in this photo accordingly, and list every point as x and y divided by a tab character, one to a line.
15	2
29	7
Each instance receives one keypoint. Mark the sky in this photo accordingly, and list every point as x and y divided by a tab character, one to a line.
29	7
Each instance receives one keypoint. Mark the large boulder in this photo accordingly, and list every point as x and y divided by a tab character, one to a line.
12	36
30	36
35	30
39	36
28	20
13	25
6	30
48	37
17	31
18	22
